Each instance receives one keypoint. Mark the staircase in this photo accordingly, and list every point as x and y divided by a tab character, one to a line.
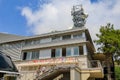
56	72
58	77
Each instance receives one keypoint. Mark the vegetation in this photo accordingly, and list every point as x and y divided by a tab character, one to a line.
117	71
109	41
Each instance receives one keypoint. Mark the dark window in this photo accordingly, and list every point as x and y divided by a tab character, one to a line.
24	55
66	37
53	53
63	51
81	50
56	38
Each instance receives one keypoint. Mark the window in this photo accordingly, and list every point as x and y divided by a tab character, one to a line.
56	38
27	43
58	53
76	51
24	55
81	50
63	52
35	55
27	56
36	41
77	35
53	53
68	51
45	40
65	37
45	53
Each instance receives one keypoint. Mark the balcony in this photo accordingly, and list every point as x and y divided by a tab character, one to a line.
94	69
59	65
55	43
53	61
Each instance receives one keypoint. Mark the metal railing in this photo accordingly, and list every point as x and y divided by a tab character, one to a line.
94	64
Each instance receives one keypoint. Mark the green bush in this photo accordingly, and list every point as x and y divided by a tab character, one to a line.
117	72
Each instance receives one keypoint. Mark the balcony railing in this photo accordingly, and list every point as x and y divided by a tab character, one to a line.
94	64
47	70
82	61
55	43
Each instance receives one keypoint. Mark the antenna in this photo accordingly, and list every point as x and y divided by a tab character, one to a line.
79	17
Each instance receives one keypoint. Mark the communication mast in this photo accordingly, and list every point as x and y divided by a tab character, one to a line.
79	17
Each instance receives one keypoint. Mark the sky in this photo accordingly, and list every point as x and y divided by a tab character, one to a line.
33	17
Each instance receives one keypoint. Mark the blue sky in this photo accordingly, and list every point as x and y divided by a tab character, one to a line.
11	20
31	17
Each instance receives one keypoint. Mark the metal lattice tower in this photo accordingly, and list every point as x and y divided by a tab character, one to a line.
79	17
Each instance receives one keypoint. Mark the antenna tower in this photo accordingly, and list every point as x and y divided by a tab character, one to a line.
79	17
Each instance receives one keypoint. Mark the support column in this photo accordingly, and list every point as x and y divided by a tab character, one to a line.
74	74
84	49
85	76
78	75
83	34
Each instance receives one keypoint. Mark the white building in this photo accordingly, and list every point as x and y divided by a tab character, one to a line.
65	55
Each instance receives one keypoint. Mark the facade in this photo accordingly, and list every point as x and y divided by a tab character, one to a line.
11	45
59	55
63	48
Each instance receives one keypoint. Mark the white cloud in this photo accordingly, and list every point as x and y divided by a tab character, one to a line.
56	15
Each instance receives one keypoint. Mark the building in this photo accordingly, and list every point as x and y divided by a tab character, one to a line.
58	55
11	45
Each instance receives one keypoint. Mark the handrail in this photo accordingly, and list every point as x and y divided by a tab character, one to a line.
58	77
90	65
8	72
53	69
94	64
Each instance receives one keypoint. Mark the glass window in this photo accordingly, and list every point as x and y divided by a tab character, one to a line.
76	51
45	40
58	53
28	56
45	53
55	38
77	35
68	51
66	37
27	43
36	41
35	54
